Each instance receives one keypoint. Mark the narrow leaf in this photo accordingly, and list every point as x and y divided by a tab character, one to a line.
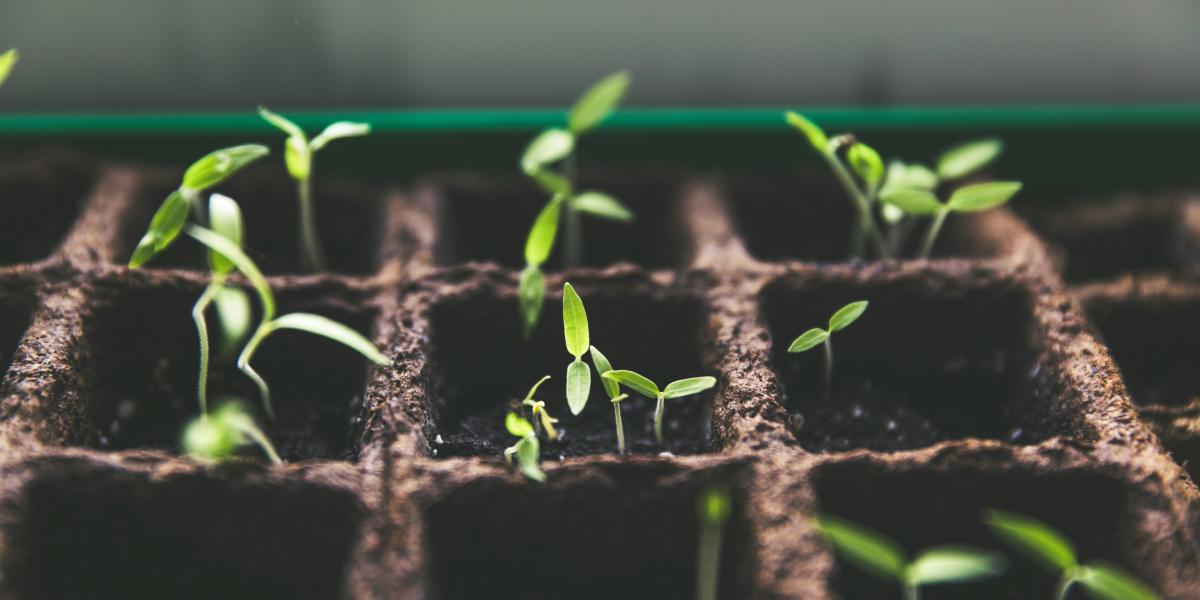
225	218
912	201
165	226
847	315
1107	582
808	340
338	131
967	158
234	316
247	267
8	60
551	182
982	196
530	293
600	362
533	390
598	101
1033	538
323	326
863	547
866	162
550	146
282	123
517	426
575	325
815	135
219	165
601	205
634	381
579	385
954	563
541	236
689	386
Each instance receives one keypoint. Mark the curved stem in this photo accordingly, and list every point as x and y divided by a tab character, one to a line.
259	438
243	364
658	419
198	309
620	428
934	228
1064	586
311	255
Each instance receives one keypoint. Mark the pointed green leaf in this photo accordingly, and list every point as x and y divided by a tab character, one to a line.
8	60
518	426
540	242
865	548
600	362
982	196
533	390
634	381
598	101
847	315
575	324
234	316
689	386
808	340
1034	539
225	218
946	564
165	226
912	201
338	131
967	158
601	205
282	123
579	385
549	147
530	293
243	263
326	327
815	135
219	165
527	457
1107	582
551	182
866	162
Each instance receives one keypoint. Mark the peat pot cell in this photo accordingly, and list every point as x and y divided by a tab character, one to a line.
488	220
349	220
925	363
920	508
482	367
14	320
807	216
40	199
631	536
94	532
145	364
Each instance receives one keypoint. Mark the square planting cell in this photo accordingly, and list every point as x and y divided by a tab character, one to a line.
144	364
624	535
931	359
487	219
90	531
350	220
921	507
40	199
482	367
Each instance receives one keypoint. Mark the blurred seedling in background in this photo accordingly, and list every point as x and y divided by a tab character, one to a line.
298	154
712	509
575	331
526	449
878	555
541	419
968	199
613	390
676	389
816	336
8	60
220	434
556	146
1052	551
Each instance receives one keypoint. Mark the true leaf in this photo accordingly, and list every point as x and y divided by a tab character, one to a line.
815	135
579	385
634	381
326	327
600	362
1106	582
540	242
954	563
224	218
282	123
847	315
165	226
867	549
518	426
575	325
598	101
233	315
1033	538
530	293
339	130
550	146
218	165
687	387
601	205
8	60
912	201
866	162
808	340
967	158
982	196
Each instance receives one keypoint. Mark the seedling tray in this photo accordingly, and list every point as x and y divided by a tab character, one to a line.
980	378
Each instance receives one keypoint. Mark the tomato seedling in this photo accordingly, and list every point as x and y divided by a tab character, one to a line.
526	449
968	199
816	336
541	419
613	390
676	389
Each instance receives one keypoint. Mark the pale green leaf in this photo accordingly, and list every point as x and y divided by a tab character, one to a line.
815	135
912	201
1034	539
298	157
338	131
575	324
967	158
891	214
326	327
282	123
8	60
1106	582
528	450
579	385
598	101
164	228
866	162
207	438
219	165
234	316
233	416
600	362
867	549
946	564
847	315
713	506
549	147
808	340
601	205
901	175
247	267
530	293
540	242
689	386
634	381
518	426
533	390
225	218
552	182
982	196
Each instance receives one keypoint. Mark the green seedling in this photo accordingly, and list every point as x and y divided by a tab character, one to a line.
526	449
553	147
1055	553
217	436
712	508
816	336
298	154
541	419
647	388
575	331
8	60
613	389
972	198
873	552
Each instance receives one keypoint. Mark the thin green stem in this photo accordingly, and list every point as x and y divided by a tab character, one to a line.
934	228
198	309
243	364
866	223
708	561
658	419
573	252
311	255
1064	586
910	591
620	428
258	437
828	368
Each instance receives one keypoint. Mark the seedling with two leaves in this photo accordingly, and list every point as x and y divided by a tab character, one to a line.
613	390
556	146
298	154
218	435
527	448
1051	550
676	389
875	553
816	336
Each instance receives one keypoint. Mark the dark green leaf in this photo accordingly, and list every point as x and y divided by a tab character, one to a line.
531	293
1034	539
912	201
165	226
689	386
954	563
598	101
575	324
815	135
601	205
1106	582
982	196
540	242
847	315
634	381
225	218
579	385
8	60
219	165
808	340
866	162
549	147
967	158
600	362
865	548
326	327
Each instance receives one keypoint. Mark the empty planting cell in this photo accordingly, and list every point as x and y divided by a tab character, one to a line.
349	219
144	364
482	368
488	219
627	535
921	507
88	531
40	199
930	360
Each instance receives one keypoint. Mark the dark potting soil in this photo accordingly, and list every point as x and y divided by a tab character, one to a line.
40	198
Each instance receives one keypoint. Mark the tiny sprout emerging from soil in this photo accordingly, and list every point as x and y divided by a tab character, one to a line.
298	155
551	147
575	331
8	60
873	552
712	508
600	362
816	336
541	418
217	436
526	449
972	198
1055	553
647	388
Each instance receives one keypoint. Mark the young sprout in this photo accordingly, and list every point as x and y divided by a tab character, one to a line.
712	508
218	435
647	388
972	198
554	146
8	60
575	331
600	362
816	336
873	552
298	155
541	418
526	449
1055	553
968	158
